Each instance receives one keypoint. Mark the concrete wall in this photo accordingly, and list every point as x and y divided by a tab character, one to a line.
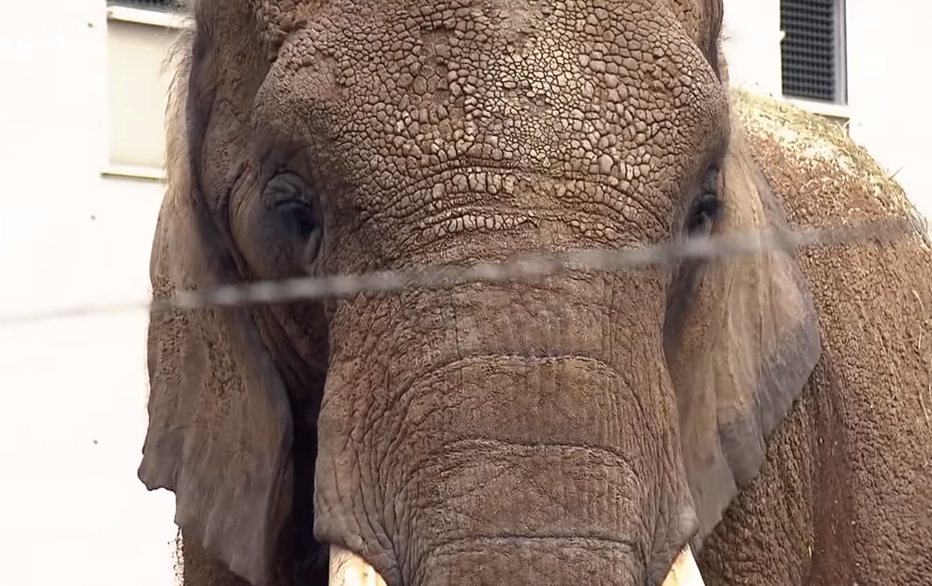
72	392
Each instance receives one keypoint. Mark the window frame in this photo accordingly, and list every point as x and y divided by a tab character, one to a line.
135	15
838	109
165	6
840	49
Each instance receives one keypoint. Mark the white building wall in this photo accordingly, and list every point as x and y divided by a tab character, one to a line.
889	51
751	30
888	48
72	392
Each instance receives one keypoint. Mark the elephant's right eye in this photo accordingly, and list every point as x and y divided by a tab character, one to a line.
297	218
279	229
301	222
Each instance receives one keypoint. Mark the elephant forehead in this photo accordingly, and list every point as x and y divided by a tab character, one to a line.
397	93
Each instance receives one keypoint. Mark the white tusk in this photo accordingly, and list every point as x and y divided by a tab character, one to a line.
348	569
684	571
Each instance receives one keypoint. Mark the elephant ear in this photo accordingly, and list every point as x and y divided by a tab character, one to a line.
741	339
220	427
219	432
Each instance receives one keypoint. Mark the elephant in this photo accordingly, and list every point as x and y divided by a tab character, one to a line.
753	419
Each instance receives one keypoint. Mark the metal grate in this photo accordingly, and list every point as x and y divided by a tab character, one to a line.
163	5
812	49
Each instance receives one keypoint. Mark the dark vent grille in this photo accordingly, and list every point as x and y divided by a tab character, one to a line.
146	4
810	49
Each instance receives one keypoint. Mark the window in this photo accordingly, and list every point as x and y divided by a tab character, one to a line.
813	50
144	4
139	35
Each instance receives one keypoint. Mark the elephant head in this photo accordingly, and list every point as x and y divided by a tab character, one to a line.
583	428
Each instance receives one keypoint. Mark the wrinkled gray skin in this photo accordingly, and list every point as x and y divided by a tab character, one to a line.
580	429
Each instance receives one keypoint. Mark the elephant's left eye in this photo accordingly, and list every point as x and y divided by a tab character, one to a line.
705	207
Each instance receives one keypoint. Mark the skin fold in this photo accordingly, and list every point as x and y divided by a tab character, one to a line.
767	410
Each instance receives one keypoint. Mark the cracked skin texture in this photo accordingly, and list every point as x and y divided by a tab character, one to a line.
433	109
488	434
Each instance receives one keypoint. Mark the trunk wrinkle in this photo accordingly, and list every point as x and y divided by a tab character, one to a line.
548	561
471	445
491	543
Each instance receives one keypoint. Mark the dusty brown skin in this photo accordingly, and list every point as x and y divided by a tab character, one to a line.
580	429
840	498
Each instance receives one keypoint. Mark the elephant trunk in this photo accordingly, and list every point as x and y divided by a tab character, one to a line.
515	439
532	475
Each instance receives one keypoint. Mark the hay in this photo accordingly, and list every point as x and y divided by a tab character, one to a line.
816	138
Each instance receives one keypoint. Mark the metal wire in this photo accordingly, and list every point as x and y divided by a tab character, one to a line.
540	265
